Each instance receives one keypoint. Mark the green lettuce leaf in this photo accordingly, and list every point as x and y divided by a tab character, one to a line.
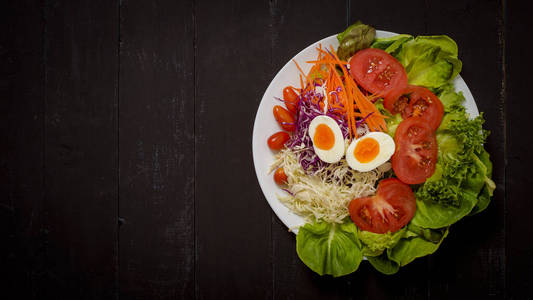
327	248
460	175
415	242
435	215
383	264
449	98
392	121
430	61
409	248
356	37
393	44
488	187
374	243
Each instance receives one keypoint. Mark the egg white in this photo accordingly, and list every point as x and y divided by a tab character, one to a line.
334	154
386	150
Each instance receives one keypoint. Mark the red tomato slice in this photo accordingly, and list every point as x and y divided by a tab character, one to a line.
377	71
291	99
416	151
416	101
284	118
389	210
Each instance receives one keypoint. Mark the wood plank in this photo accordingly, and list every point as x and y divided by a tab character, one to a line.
21	132
475	249
519	250
233	250
80	206
156	121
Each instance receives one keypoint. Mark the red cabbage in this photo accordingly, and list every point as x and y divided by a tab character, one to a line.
307	111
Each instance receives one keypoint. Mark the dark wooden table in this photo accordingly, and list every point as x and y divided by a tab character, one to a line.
126	167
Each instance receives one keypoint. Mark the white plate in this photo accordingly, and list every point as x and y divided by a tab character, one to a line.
265	124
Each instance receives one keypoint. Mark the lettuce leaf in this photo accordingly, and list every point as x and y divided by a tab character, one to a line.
461	184
430	61
374	243
392	121
415	246
488	187
383	264
414	242
449	98
393	44
328	248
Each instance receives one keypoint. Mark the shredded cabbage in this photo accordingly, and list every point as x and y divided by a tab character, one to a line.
324	194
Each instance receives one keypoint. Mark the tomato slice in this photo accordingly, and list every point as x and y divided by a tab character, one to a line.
416	101
377	71
389	210
291	99
416	151
284	118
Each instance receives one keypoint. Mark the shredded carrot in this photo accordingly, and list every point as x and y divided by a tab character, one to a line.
349	99
300	69
324	61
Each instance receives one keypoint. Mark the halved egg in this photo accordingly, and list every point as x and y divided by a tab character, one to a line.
327	138
370	151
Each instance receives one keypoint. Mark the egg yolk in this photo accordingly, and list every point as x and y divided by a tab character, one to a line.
324	138
366	150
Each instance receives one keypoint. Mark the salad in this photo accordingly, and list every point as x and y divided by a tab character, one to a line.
377	153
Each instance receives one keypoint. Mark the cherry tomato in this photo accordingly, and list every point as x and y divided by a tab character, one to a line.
280	177
284	118
278	140
377	71
416	151
389	210
416	101
291	99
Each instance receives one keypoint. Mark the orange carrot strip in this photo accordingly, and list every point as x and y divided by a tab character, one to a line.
300	69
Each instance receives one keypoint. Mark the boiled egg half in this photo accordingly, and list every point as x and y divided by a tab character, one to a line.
370	151
327	138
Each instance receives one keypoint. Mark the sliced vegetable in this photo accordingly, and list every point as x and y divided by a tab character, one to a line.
416	151
416	101
389	210
378	72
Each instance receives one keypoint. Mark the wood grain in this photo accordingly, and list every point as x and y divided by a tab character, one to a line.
156	150
233	237
80	153
21	149
519	244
